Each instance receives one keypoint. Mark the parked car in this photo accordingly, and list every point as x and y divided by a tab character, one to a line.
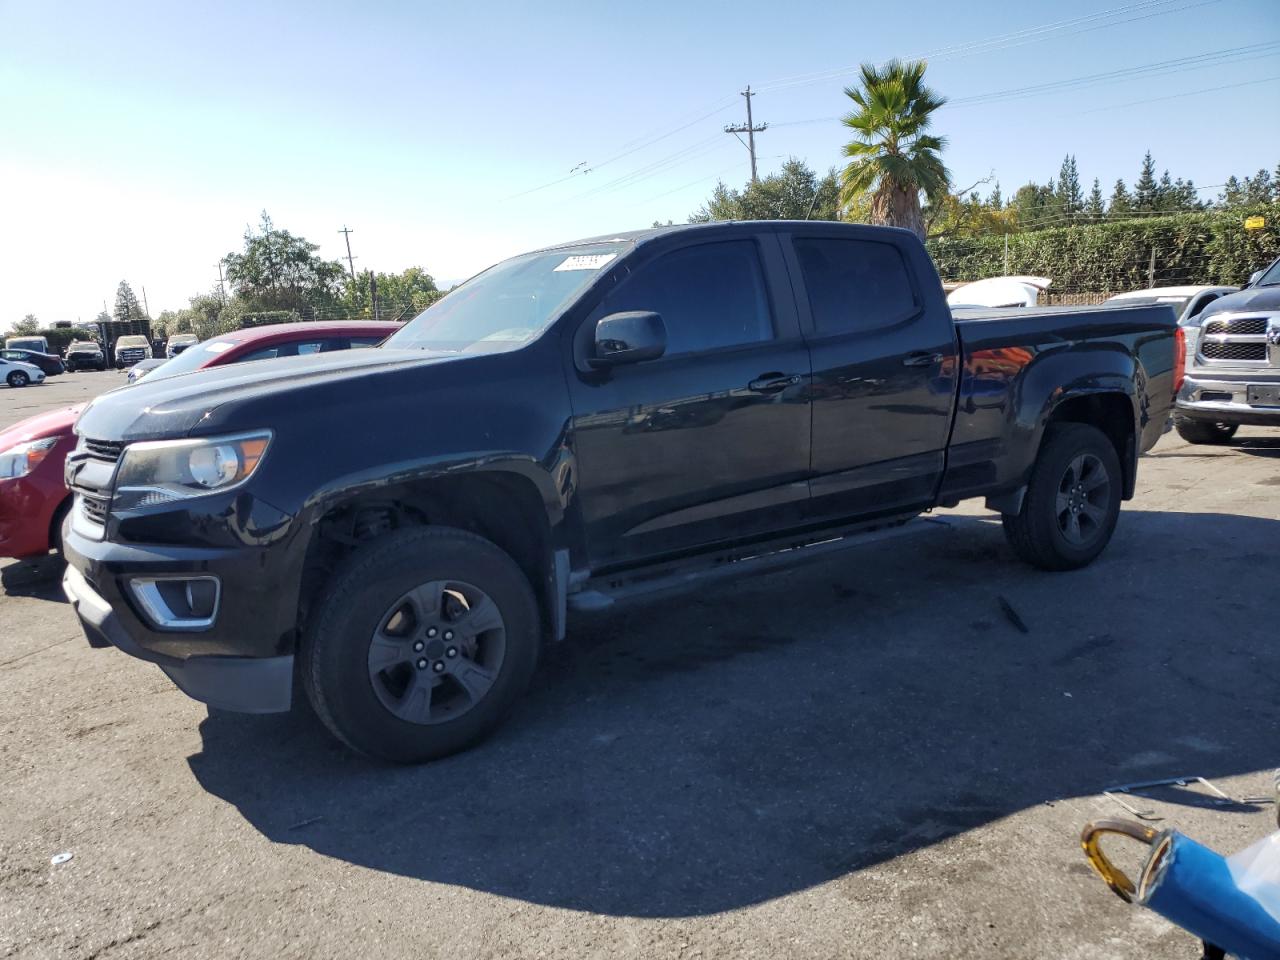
1187	302
37	344
18	373
999	292
412	522
50	363
1233	368
143	367
32	504
85	355
179	342
131	348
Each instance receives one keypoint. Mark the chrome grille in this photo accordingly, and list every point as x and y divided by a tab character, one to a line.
1239	326
1241	340
1227	350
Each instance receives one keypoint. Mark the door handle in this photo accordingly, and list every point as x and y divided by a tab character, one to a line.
773	382
921	359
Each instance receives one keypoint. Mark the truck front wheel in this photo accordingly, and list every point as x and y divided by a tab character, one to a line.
421	644
1072	500
1203	431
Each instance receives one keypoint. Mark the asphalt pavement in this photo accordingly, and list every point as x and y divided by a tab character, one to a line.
888	753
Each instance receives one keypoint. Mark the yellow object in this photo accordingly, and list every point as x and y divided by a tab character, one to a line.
1254	223
1091	838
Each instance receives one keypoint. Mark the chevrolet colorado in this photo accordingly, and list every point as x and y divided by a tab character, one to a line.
400	529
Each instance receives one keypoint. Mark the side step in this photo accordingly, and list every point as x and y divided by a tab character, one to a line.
600	593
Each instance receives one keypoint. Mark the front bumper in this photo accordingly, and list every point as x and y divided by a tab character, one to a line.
204	665
1226	401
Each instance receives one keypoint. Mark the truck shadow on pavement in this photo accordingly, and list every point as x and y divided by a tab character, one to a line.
712	751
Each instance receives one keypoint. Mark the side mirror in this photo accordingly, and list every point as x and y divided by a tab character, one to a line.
1254	278
628	337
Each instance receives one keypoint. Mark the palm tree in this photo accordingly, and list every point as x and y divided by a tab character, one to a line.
893	157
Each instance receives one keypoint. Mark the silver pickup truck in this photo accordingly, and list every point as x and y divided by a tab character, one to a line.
1233	363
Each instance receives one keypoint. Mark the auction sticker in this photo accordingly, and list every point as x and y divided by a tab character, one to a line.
586	261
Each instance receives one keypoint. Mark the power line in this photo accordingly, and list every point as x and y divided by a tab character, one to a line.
1181	64
1103	19
1177	96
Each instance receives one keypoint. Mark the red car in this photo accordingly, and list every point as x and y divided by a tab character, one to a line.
33	497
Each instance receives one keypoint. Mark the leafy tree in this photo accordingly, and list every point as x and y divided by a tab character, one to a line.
278	271
893	157
127	305
400	295
27	326
1094	209
795	192
956	215
102	317
1146	189
1032	205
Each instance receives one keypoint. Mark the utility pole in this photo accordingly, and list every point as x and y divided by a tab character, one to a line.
351	264
145	309
750	130
373	296
222	288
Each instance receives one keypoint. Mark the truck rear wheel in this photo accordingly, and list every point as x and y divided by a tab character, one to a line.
1204	431
1072	500
422	643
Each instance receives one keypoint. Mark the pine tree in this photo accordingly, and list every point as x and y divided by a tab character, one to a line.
1145	191
1232	192
1070	199
1121	200
1164	193
1093	208
996	201
127	306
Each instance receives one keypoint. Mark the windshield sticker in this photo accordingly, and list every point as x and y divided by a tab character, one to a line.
591	261
219	346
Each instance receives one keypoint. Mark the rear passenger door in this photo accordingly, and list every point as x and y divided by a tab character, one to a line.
884	369
710	442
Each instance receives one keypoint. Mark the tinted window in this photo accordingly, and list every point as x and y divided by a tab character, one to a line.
854	285
709	296
366	341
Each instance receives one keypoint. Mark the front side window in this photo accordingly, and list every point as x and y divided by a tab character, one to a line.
854	285
709	296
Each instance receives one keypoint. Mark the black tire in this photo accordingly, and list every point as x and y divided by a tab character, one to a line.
55	529
17	378
1204	431
1041	533
337	646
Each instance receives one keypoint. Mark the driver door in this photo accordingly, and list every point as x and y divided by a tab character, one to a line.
709	443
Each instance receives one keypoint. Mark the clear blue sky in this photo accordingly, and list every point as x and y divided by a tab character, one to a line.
138	139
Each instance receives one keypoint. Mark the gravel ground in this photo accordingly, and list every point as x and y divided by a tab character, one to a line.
864	757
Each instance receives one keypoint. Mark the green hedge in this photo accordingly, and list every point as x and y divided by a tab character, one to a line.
1208	248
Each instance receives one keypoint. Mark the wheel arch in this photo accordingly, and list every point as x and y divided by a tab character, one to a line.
507	507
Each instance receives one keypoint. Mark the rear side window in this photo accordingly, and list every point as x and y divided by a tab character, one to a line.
854	285
709	296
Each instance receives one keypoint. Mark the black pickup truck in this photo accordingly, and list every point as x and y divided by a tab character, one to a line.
401	529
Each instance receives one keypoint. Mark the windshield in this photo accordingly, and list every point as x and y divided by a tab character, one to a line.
35	345
508	305
192	358
83	345
1271	278
138	341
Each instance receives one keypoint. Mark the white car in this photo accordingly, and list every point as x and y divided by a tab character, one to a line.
999	292
1187	302
18	374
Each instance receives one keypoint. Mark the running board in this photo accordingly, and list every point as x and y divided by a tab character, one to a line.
600	593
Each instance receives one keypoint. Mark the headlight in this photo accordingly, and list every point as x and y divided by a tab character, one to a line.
20	460
164	470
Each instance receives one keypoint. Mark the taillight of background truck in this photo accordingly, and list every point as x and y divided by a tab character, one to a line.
1179	359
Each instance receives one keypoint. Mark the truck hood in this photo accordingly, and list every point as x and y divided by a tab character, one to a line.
1259	298
179	406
